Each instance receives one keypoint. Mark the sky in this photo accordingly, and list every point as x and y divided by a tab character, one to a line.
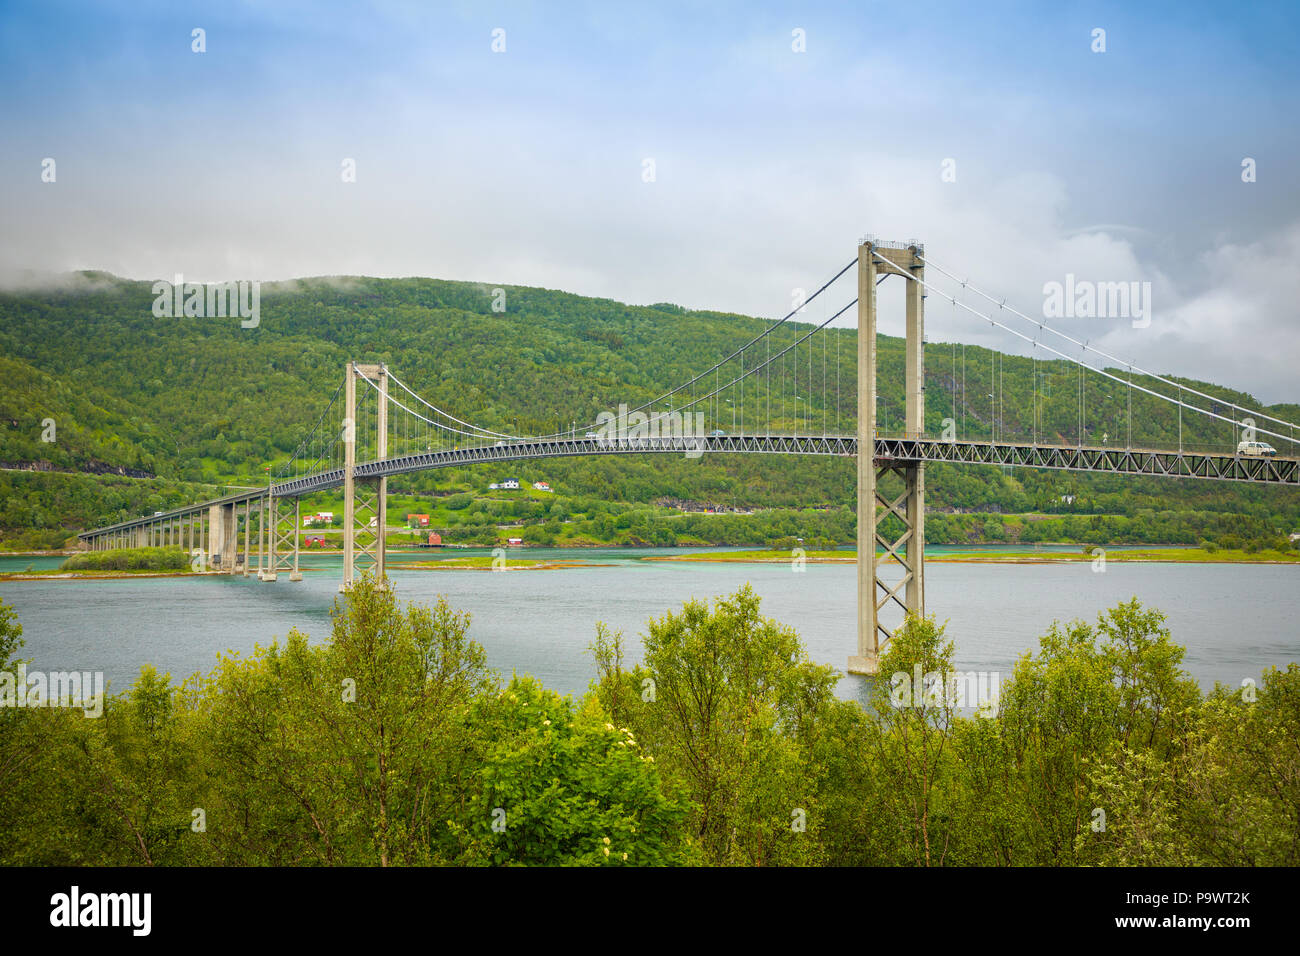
719	156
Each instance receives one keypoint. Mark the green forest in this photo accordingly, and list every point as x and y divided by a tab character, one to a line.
391	743
107	412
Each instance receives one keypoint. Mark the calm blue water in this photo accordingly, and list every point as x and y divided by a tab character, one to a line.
1235	620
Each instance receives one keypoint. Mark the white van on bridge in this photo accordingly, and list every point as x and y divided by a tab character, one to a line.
1256	449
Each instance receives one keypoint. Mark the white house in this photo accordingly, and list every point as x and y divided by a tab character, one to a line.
541	486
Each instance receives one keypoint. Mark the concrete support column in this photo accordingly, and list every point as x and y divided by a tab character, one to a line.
349	475
261	538
866	661
270	521
229	542
221	523
915	365
295	574
915	384
248	534
215	542
381	489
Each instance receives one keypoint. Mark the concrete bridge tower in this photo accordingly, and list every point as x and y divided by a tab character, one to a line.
876	260
365	508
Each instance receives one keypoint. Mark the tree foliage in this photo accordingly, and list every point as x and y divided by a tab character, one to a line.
392	743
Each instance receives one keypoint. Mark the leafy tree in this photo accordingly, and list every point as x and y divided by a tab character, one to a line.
566	787
733	697
913	739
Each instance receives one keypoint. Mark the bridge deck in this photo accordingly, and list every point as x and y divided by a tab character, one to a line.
1216	466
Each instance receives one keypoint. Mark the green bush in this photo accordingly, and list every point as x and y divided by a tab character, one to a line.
129	559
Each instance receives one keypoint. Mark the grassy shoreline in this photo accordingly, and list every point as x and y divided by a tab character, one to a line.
1156	555
55	574
1150	555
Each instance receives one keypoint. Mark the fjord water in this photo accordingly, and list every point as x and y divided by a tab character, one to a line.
1234	619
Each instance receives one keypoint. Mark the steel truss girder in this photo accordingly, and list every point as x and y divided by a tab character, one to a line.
1171	464
1119	461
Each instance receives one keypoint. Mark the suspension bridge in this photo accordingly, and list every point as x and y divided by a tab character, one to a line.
795	388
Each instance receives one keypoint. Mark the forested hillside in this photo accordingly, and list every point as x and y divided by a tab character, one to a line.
202	401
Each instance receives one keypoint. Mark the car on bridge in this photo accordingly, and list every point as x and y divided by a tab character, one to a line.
1256	449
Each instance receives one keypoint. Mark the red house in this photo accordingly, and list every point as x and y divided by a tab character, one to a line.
435	539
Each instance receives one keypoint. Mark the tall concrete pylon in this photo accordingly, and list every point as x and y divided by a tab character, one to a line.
364	500
875	260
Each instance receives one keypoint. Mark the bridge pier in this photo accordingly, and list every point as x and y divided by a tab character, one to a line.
248	534
908	550
296	574
221	537
266	535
